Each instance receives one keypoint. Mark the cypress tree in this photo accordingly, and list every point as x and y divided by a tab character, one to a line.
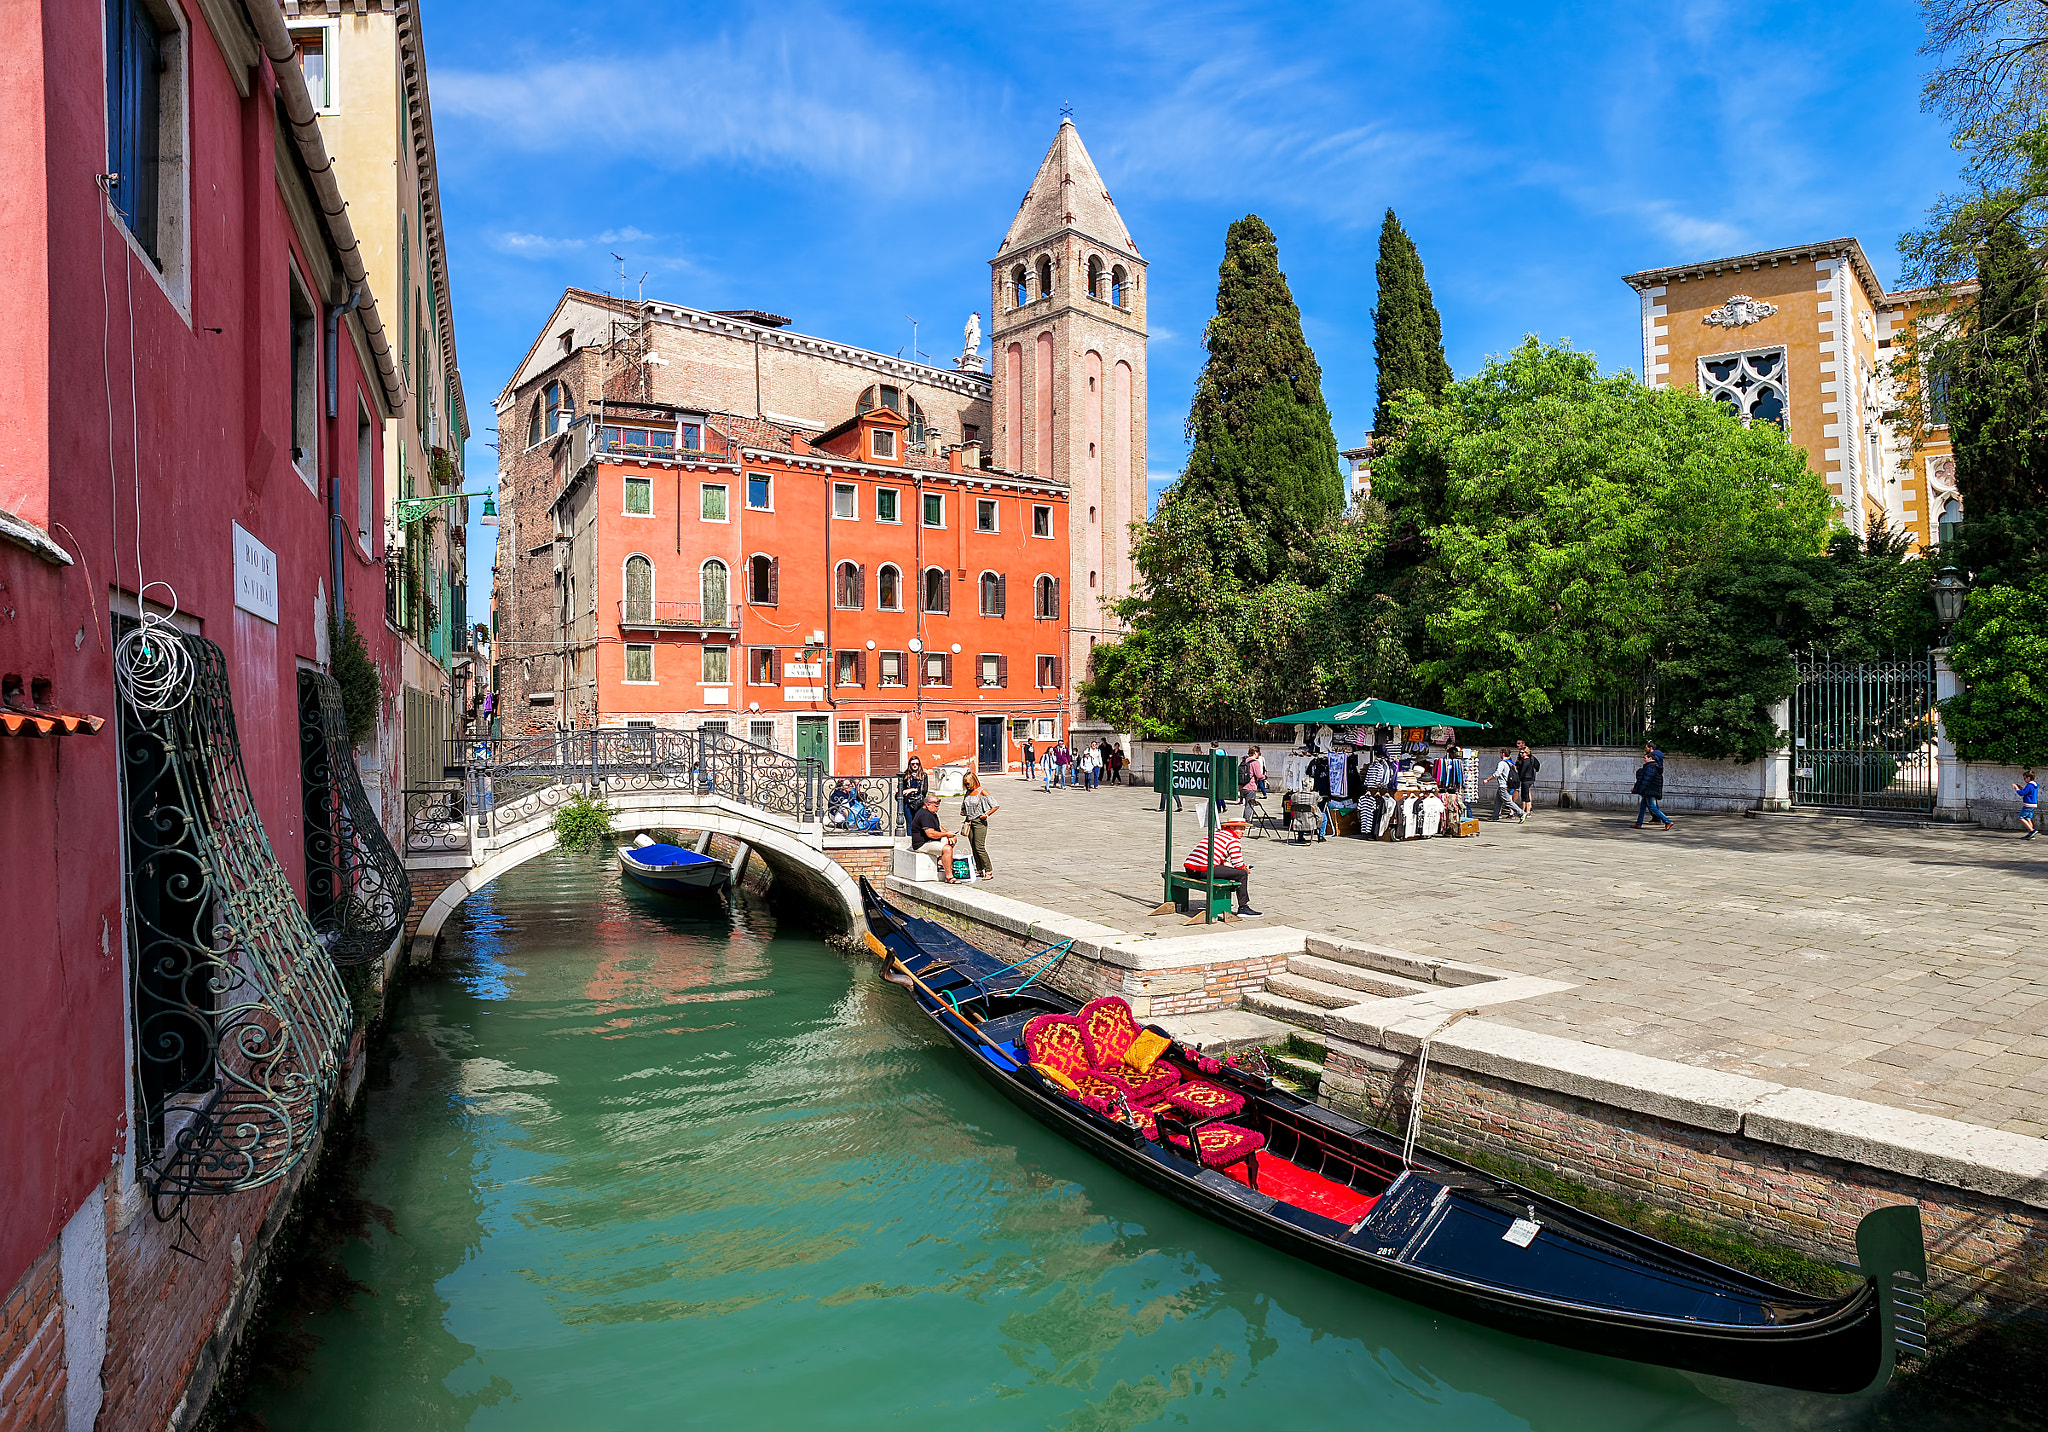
1997	372
1259	428
1407	335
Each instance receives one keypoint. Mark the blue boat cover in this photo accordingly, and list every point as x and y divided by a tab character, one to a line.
669	855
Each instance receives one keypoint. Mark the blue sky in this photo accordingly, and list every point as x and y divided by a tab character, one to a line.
852	166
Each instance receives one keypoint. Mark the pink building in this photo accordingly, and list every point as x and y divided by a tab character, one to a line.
196	381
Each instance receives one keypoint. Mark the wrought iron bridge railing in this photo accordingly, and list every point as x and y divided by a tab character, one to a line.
508	780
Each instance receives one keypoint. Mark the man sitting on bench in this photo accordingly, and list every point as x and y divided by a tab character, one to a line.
1230	861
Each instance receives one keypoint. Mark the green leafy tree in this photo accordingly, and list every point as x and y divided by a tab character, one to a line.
1562	513
1407	335
1259	430
2000	655
362	689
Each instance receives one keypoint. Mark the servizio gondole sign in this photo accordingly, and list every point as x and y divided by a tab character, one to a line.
1211	776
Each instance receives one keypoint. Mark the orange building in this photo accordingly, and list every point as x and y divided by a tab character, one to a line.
857	595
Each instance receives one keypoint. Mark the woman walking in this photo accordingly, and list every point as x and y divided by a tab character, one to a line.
974	813
911	788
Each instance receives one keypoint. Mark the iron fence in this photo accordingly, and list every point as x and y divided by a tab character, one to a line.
1863	734
436	820
1618	719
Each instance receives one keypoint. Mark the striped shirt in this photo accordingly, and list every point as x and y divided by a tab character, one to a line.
1229	851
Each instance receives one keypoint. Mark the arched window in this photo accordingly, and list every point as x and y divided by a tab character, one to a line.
889	589
1119	287
938	590
1094	277
1045	599
711	586
896	401
852	587
639	604
561	405
1018	296
1044	277
533	424
992	596
763	573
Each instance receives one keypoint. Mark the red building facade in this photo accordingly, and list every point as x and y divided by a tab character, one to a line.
857	596
196	380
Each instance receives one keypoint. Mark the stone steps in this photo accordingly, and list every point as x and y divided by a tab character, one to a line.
1307	990
1298	1013
1361	980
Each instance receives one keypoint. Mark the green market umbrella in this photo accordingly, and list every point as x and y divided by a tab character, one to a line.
1373	712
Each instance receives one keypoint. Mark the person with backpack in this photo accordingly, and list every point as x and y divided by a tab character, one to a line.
1649	788
1030	760
1503	782
1527	764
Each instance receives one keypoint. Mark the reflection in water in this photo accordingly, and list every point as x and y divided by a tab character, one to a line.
660	1166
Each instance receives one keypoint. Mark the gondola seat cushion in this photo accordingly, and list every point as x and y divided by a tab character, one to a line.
1203	1099
1055	1042
1223	1144
1112	1031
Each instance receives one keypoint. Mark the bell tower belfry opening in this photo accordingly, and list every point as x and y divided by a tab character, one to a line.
1067	291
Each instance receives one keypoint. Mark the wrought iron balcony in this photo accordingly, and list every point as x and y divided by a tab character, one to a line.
679	616
357	891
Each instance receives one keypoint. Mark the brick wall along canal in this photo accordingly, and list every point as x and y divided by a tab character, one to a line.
648	1167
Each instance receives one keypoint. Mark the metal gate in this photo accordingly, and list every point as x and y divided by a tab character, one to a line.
1863	734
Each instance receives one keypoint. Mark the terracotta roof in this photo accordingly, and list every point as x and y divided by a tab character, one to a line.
1826	248
1067	194
48	723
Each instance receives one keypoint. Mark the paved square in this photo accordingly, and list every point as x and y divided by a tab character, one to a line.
1896	964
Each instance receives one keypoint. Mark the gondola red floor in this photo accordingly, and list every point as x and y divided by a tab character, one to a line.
1291	1183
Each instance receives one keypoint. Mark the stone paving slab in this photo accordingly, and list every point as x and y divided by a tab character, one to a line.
1904	966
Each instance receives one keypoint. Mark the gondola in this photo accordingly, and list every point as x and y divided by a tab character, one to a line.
1237	1148
672	869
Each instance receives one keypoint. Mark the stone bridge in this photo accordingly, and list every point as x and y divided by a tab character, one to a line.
495	810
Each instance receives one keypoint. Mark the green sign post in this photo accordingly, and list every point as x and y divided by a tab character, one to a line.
1211	776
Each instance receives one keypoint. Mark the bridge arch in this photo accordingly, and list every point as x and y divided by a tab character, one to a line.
798	853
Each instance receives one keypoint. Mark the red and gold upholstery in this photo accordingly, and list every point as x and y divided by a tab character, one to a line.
1224	1144
1203	1099
1110	1030
1055	1041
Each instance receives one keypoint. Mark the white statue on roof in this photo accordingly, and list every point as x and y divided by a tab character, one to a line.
972	333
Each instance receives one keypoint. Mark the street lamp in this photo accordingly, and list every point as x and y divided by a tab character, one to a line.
1950	589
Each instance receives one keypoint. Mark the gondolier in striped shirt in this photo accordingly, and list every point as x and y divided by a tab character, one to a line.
1227	845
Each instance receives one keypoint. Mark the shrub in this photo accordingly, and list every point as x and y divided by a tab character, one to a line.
585	823
2000	656
362	689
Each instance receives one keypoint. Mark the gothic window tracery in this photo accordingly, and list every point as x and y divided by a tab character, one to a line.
1750	385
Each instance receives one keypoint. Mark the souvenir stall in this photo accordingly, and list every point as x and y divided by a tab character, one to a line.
1378	769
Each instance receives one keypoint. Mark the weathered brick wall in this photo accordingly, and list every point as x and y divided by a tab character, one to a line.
427	886
875	863
1986	1252
32	1348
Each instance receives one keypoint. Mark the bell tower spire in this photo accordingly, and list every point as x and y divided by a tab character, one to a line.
1067	289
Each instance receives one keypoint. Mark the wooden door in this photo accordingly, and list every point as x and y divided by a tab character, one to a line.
988	745
810	739
885	746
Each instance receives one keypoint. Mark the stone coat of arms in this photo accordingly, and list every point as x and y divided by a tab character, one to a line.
1740	311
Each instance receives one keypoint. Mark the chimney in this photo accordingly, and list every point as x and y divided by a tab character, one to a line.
970	455
953	460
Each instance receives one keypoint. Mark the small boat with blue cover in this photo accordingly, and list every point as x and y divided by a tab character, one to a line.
1226	1141
671	868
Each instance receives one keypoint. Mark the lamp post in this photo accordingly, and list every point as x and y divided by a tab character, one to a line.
1950	589
1951	800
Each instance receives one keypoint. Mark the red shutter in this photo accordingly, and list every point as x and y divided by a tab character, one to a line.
1002	669
948	658
1055	612
860	586
1055	673
774	579
945	592
860	668
1002	594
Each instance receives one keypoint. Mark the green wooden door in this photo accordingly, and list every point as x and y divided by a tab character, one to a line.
810	738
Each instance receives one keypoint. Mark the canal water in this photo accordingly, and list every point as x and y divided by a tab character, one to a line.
645	1166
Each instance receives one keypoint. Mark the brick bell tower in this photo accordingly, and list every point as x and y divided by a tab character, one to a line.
1068	345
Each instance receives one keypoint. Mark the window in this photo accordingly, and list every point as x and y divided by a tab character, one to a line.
760	666
638	442
935	668
305	356
849	733
1937	398
759	492
851	668
693	437
1094	277
145	143
934	510
1119	287
710	727
1045	728
533	424
366	447
970	433
763	577
938	590
850	590
1749	385
884	442
639	497
935	733
1048	673
994	669
1045	599
845	500
639	663
992	596
1044	277
1041	522
889	590
639	603
889	670
561	406
1018	295
762	733
717	668
985	514
712	495
316	63
711	590
886	499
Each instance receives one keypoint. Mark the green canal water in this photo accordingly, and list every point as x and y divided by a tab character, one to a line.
650	1167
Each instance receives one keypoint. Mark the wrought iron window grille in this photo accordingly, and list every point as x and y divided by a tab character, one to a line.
240	1020
357	891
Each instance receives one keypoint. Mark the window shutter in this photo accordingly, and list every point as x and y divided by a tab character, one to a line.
1056	608
1002	669
1002	595
1055	673
860	668
860	586
948	668
945	591
774	579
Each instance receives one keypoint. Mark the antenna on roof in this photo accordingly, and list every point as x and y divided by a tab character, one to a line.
1066	111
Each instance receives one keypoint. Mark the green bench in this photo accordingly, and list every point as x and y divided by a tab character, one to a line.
1182	886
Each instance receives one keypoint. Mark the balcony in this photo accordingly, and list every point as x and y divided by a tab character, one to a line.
679	616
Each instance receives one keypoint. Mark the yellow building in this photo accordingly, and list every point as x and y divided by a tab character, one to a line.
365	65
1805	337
